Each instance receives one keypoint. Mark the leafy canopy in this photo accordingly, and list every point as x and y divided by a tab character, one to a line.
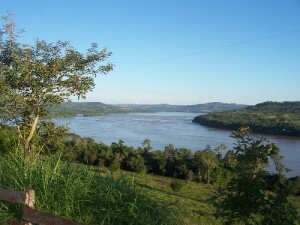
246	199
34	77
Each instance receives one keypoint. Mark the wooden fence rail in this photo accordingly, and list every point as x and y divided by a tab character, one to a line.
29	213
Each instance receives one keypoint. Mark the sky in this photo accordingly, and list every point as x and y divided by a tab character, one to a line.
178	51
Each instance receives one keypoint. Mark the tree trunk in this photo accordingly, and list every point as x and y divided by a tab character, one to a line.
208	177
20	136
32	131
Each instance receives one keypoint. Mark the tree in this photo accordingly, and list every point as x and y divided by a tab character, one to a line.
158	162
34	77
170	153
51	138
121	148
115	164
205	162
246	198
146	153
135	162
146	146
182	162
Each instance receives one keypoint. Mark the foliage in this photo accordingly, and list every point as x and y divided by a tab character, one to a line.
207	166
197	198
135	163
176	185
8	139
115	165
79	193
34	77
50	138
246	199
202	166
293	185
206	162
268	117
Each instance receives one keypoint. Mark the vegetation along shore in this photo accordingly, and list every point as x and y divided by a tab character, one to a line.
280	118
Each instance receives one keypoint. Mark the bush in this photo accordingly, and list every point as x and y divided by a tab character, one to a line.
293	185
115	163
189	176
176	185
8	139
78	193
135	163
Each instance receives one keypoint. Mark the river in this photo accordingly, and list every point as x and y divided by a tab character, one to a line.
169	127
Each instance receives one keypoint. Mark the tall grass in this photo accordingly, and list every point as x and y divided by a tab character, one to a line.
80	194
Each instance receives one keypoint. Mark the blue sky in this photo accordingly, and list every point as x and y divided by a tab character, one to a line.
142	34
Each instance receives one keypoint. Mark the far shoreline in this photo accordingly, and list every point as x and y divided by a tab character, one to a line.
253	131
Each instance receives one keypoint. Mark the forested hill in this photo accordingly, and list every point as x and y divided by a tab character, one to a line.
198	108
269	117
70	109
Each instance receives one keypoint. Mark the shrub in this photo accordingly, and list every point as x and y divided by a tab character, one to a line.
189	176
115	163
135	163
8	139
176	185
293	185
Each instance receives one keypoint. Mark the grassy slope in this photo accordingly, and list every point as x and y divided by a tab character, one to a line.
196	198
78	193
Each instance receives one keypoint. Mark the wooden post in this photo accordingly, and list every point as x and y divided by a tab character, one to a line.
29	213
43	218
22	197
26	198
29	201
29	198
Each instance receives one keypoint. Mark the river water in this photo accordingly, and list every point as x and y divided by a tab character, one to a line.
165	128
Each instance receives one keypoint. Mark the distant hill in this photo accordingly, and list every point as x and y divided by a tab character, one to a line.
269	117
199	108
70	109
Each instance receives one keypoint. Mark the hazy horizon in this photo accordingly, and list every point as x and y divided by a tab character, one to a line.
85	101
162	103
